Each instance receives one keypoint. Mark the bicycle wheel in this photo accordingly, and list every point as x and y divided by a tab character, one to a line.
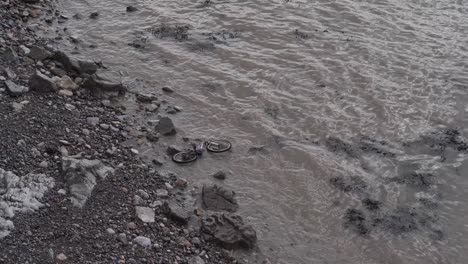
218	145
185	157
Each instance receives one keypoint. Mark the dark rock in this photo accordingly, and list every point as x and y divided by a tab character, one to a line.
58	72
167	90
38	53
94	15
9	55
166	127
229	231
106	81
152	136
73	65
172	150
217	198
14	89
157	161
220	175
176	211
131	9
41	83
146	98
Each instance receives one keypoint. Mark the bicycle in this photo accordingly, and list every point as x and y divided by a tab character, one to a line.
216	146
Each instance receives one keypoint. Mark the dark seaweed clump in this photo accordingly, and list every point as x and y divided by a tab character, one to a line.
371	204
177	32
356	221
300	34
422	180
376	146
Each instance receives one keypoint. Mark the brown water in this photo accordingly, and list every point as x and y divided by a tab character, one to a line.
390	70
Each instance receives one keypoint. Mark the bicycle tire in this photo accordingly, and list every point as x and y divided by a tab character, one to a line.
179	158
214	146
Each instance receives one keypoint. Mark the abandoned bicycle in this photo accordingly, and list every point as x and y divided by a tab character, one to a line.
216	146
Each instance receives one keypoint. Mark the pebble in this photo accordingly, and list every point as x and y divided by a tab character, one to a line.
168	186
220	175
65	93
93	121
122	238
142	241
131	225
106	103
137	200
110	231
143	194
181	183
134	151
161	193
104	126
85	132
61	257
44	164
62	192
70	107
167	89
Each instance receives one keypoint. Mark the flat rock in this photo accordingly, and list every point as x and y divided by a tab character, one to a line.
105	81
229	231
217	198
81	177
145	214
146	98
166	127
176	211
38	53
75	66
14	89
9	55
220	175
41	83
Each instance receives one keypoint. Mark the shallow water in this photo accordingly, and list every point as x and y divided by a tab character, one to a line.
286	75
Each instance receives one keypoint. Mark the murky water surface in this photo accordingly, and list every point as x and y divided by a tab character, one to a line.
350	101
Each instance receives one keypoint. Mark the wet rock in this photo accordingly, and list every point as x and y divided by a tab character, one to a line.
38	53
142	241
41	83
152	136
94	15
177	32
181	183
14	89
356	221
146	98
172	150
145	214
166	127
217	198
349	184
65	82
167	90
81	177
105	81
176	211
157	161
220	175
151	107
131	9
196	260
75	66
229	231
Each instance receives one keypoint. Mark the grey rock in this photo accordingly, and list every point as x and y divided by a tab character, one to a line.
137	200
142	241
176	211
122	238
220	175
38	53
41	83
196	260
217	198
81	177
161	193
166	127
58	72
157	161
105	81
152	107
14	89
145	214
152	136
75	66
167	89
94	121
110	231
9	55
10	74
229	231
146	98
143	194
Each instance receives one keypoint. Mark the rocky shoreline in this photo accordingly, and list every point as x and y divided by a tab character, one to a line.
71	189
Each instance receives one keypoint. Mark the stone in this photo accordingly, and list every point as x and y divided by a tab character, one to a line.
146	98
62	191
38	53
142	241
143	194
104	126
181	183
66	93
229	231
14	89
166	127
172	150
152	136
161	193
122	238
44	164
145	214
94	121
105	81
217	198
137	200
75	66
132	225
167	90
110	231
94	15
131	9
220	175
41	83
70	107
61	257
65	82
157	161
9	55
151	107
196	260
82	176
10	74
171	110
176	211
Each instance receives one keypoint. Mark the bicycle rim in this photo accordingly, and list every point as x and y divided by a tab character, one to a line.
180	158
218	145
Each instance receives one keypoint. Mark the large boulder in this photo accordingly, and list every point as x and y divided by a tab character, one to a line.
217	198
166	127
105	81
177	211
41	83
81	177
75	66
229	231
